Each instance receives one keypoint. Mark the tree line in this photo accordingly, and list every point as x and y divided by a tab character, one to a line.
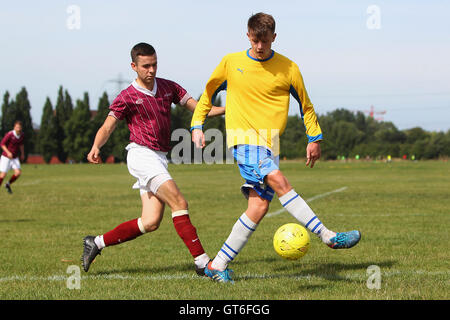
67	130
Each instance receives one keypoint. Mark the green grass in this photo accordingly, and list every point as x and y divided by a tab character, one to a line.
401	208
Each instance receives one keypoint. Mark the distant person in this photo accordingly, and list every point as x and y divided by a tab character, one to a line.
146	107
12	145
259	82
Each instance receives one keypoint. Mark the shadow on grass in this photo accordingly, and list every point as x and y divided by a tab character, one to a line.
326	271
16	220
151	270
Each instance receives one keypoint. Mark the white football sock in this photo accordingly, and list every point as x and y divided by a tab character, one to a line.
202	260
241	232
99	242
300	210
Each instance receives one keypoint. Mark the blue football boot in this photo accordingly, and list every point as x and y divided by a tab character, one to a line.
219	276
345	240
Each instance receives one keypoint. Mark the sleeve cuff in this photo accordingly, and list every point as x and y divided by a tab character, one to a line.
112	114
186	97
197	127
315	138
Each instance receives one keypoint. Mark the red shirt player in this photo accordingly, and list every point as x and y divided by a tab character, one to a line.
11	144
145	105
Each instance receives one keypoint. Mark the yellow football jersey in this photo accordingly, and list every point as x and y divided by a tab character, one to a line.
257	101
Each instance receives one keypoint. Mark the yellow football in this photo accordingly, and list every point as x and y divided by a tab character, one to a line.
291	241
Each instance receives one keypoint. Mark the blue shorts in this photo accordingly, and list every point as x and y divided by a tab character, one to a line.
255	163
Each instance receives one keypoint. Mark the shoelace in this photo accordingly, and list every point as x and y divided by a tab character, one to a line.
341	238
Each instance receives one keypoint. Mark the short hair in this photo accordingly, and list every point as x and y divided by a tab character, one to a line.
260	24
141	49
18	122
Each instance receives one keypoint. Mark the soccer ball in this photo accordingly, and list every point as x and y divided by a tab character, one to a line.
291	241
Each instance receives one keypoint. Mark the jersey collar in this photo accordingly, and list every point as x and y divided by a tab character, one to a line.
16	135
260	60
145	90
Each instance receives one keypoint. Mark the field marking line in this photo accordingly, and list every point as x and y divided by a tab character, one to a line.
30	183
97	277
353	275
322	195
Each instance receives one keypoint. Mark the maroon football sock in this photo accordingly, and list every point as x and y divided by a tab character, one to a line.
123	232
188	234
13	178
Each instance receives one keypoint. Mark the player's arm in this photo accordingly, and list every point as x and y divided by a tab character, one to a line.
216	82
101	138
4	148
215	111
8	153
313	130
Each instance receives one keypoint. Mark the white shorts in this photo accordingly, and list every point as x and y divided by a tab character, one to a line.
148	166
7	164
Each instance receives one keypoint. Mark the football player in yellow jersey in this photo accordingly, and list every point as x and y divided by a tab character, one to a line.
259	82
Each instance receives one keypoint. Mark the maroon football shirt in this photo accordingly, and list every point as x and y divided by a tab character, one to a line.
12	143
148	112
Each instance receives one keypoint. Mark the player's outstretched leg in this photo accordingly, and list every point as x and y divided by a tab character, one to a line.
298	208
90	251
125	231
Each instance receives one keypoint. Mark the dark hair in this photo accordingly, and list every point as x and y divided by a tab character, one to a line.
141	49
18	122
260	24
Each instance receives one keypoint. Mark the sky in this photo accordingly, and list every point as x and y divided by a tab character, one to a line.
392	55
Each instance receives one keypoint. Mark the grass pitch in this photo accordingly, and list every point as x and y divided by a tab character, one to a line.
401	208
